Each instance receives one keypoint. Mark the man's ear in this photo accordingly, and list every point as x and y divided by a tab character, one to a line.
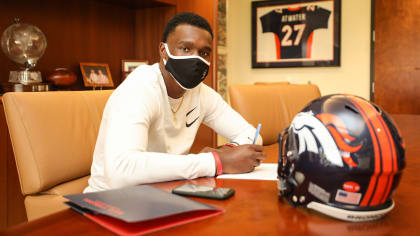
162	51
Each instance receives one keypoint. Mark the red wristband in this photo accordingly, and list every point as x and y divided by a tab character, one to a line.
219	168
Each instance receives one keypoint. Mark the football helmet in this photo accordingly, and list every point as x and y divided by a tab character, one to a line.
341	156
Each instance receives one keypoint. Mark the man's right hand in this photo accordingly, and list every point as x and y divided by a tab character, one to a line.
241	159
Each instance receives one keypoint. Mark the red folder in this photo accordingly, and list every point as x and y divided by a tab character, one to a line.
139	210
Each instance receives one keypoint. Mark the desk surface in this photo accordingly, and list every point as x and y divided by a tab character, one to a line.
256	210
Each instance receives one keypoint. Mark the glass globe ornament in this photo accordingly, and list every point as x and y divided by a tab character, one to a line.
24	44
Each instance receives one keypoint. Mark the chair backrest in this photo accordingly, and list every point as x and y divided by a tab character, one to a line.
53	134
274	106
271	83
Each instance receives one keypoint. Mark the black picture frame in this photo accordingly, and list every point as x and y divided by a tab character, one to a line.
296	33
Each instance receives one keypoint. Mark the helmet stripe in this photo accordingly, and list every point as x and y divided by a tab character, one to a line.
388	188
394	159
372	182
386	154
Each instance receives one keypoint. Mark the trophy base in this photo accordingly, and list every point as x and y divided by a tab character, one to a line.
25	77
17	87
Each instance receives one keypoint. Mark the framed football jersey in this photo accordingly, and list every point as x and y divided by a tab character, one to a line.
296	33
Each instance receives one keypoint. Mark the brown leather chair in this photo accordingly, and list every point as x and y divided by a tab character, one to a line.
53	136
274	106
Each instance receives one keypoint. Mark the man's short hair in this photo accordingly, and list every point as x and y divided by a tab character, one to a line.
185	18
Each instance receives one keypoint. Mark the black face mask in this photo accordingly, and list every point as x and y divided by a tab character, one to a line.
188	71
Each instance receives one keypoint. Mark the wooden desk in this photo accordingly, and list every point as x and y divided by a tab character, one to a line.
256	210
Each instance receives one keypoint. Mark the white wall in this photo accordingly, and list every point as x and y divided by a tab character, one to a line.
352	77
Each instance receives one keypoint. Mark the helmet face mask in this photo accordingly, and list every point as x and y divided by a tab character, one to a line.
341	156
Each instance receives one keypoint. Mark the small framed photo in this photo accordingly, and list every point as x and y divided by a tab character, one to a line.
296	33
96	74
130	65
127	66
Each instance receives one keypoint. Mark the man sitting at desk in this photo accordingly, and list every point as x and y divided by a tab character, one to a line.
150	121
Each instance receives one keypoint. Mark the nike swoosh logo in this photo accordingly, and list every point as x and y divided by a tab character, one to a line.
189	124
190	111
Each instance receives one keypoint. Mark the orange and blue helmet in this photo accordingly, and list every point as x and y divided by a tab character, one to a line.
342	156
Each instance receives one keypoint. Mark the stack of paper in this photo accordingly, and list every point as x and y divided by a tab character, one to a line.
262	172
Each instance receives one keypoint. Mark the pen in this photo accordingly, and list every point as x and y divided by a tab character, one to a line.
256	133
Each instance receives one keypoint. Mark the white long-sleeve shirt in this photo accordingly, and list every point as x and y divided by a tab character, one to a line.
141	141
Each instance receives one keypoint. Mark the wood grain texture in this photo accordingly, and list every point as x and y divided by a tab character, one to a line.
135	4
397	61
256	210
152	21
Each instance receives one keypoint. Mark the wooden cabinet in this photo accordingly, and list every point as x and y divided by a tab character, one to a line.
103	31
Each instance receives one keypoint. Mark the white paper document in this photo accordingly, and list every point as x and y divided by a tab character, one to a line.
262	172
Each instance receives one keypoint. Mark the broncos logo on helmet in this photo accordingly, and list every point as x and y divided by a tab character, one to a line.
333	140
341	136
